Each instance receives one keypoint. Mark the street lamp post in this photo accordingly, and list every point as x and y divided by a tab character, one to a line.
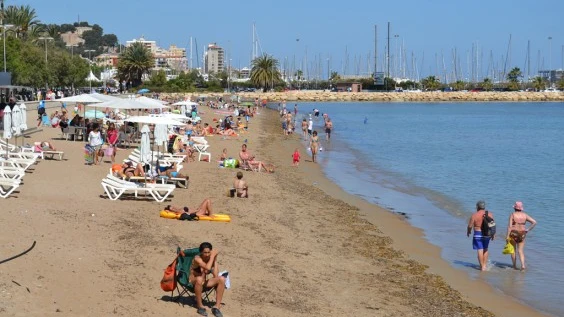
46	38
550	59
4	26
90	67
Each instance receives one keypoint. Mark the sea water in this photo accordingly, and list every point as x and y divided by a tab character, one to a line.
434	161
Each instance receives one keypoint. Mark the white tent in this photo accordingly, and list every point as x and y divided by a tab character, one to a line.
92	77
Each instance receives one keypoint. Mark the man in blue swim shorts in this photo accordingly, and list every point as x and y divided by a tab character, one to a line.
479	242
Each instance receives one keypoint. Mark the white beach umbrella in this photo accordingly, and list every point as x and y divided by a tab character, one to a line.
16	120
7	123
104	98
161	134
153	120
83	98
151	101
185	103
23	109
130	104
175	116
145	150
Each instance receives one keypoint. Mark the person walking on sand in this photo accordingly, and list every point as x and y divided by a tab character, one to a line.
516	232
296	158
304	129
314	145
479	242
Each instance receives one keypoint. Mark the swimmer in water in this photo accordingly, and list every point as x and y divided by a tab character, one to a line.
365	120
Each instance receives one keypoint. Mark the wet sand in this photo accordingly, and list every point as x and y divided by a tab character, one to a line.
299	246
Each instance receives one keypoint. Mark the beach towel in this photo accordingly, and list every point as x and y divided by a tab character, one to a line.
89	154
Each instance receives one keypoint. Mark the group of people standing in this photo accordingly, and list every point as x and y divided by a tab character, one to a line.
516	233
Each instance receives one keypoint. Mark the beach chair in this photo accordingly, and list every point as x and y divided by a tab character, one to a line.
7	186
11	172
17	162
203	151
43	153
183	286
116	187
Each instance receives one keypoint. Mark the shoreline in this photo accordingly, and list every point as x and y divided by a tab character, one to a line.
327	96
292	248
411	242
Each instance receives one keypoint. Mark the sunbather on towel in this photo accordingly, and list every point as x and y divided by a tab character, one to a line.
203	264
170	171
205	209
127	170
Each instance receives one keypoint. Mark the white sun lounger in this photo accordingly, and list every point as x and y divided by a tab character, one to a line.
11	172
115	187
17	162
7	186
203	151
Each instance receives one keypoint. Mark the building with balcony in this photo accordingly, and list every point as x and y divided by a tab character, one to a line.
214	59
150	45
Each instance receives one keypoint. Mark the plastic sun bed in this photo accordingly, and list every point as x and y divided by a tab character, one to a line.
115	188
7	186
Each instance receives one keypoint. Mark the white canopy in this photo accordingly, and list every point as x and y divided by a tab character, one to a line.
185	103
92	77
153	120
83	98
130	104
103	97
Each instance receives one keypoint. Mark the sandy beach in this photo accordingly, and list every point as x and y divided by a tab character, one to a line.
299	246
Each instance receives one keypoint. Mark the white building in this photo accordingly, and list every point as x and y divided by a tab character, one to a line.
214	59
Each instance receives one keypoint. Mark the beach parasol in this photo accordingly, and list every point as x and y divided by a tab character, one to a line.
153	120
161	134
104	98
16	120
7	126
145	148
130	104
23	109
83	98
143	91
151	103
185	103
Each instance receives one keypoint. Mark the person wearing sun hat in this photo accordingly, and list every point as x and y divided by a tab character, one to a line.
517	231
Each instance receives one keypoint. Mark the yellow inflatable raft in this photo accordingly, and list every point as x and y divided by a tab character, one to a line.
216	217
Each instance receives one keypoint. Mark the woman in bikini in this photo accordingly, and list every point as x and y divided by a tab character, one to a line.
517	231
314	145
203	264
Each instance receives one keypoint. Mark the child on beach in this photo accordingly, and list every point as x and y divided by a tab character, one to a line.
296	158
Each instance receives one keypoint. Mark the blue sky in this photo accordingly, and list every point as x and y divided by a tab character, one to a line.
428	30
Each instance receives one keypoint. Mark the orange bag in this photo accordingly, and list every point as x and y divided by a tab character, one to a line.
168	282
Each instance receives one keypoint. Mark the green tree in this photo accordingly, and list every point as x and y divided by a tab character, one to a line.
513	78
158	79
299	74
264	71
334	76
487	84
539	83
560	84
134	62
459	85
22	17
431	83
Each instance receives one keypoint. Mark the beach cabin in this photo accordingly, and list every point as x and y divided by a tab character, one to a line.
349	86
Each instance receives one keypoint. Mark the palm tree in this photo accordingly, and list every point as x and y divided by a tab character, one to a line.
264	71
487	84
334	76
134	62
539	83
459	85
23	18
431	83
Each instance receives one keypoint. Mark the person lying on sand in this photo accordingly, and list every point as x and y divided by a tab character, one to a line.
205	209
203	264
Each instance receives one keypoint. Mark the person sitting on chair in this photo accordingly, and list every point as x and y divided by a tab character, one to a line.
203	264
